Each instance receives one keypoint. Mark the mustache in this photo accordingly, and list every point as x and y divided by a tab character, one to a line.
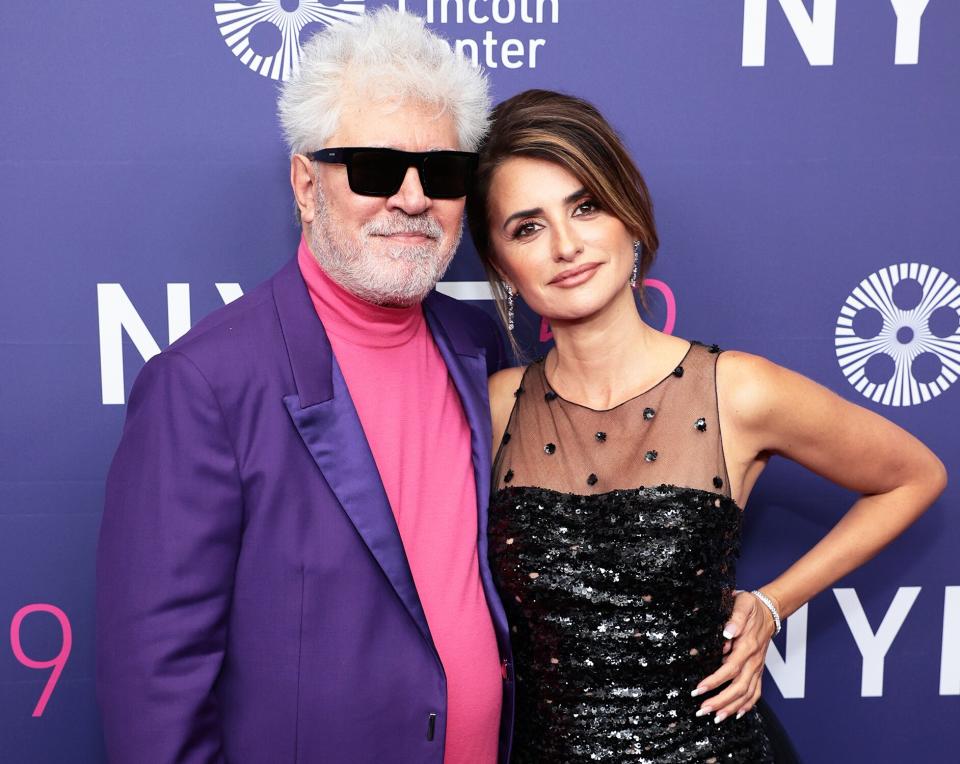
424	225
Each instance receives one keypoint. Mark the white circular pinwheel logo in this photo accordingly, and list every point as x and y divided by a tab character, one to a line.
268	35
898	334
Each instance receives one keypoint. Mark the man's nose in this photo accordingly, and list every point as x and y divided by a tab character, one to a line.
410	198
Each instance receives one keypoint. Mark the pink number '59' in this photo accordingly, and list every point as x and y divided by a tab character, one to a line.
56	663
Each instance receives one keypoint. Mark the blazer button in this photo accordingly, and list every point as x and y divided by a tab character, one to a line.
503	669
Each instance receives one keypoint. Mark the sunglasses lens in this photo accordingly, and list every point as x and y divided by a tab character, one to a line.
446	175
380	172
376	173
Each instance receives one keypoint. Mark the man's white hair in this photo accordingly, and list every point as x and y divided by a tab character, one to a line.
387	55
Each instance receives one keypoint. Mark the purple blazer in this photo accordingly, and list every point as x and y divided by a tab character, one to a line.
254	602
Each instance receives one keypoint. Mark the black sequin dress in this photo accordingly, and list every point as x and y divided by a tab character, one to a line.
613	539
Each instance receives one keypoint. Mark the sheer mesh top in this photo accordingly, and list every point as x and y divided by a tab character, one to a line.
668	434
613	543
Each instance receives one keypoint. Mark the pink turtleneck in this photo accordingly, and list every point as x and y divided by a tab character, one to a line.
415	425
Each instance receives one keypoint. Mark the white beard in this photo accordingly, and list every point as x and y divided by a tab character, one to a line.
401	276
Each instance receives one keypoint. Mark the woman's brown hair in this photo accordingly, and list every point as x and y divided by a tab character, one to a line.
571	133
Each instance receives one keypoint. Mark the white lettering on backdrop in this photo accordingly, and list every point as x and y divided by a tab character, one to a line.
815	31
117	315
511	53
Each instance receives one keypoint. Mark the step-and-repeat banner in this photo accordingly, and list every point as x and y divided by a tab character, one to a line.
804	159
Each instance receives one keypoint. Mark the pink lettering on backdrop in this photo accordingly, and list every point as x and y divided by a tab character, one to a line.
57	662
660	286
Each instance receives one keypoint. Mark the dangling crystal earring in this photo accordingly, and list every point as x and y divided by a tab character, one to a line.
509	290
637	246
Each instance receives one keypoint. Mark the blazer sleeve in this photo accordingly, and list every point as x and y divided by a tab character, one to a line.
168	549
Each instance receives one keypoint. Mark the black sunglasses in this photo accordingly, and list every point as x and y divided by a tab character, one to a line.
380	172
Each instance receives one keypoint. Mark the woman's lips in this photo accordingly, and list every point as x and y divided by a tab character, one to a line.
575	276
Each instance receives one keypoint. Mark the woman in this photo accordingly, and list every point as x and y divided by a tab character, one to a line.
615	515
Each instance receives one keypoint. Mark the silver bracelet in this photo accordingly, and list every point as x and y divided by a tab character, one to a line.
770	606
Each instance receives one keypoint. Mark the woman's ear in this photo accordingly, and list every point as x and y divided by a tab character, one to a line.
502	276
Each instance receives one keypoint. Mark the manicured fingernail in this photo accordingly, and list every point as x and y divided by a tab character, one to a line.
704	711
740	714
730	631
719	717
698	691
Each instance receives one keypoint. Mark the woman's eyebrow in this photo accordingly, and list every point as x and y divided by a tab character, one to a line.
539	210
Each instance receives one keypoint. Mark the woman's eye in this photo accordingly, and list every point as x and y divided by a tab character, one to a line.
524	230
587	206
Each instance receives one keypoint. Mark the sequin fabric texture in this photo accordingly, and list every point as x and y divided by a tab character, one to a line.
617	579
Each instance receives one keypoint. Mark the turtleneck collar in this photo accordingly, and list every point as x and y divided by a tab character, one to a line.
350	318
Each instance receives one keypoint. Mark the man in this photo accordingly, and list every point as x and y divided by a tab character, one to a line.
292	562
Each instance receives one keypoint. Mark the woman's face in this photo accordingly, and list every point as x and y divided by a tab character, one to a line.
553	244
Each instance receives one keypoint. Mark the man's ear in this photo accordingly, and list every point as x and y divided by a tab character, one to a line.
304	193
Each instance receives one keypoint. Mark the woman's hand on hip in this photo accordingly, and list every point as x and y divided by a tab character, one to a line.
748	631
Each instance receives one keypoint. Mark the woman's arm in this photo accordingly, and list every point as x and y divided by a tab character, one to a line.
777	411
502	386
766	409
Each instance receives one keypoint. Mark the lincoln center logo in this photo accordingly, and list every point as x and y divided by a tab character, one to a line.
267	35
898	334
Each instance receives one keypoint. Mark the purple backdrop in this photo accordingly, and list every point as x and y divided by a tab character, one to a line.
795	148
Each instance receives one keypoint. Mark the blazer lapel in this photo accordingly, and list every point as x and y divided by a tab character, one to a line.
467	365
327	421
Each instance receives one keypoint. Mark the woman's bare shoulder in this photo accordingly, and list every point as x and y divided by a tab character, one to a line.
504	383
746	382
